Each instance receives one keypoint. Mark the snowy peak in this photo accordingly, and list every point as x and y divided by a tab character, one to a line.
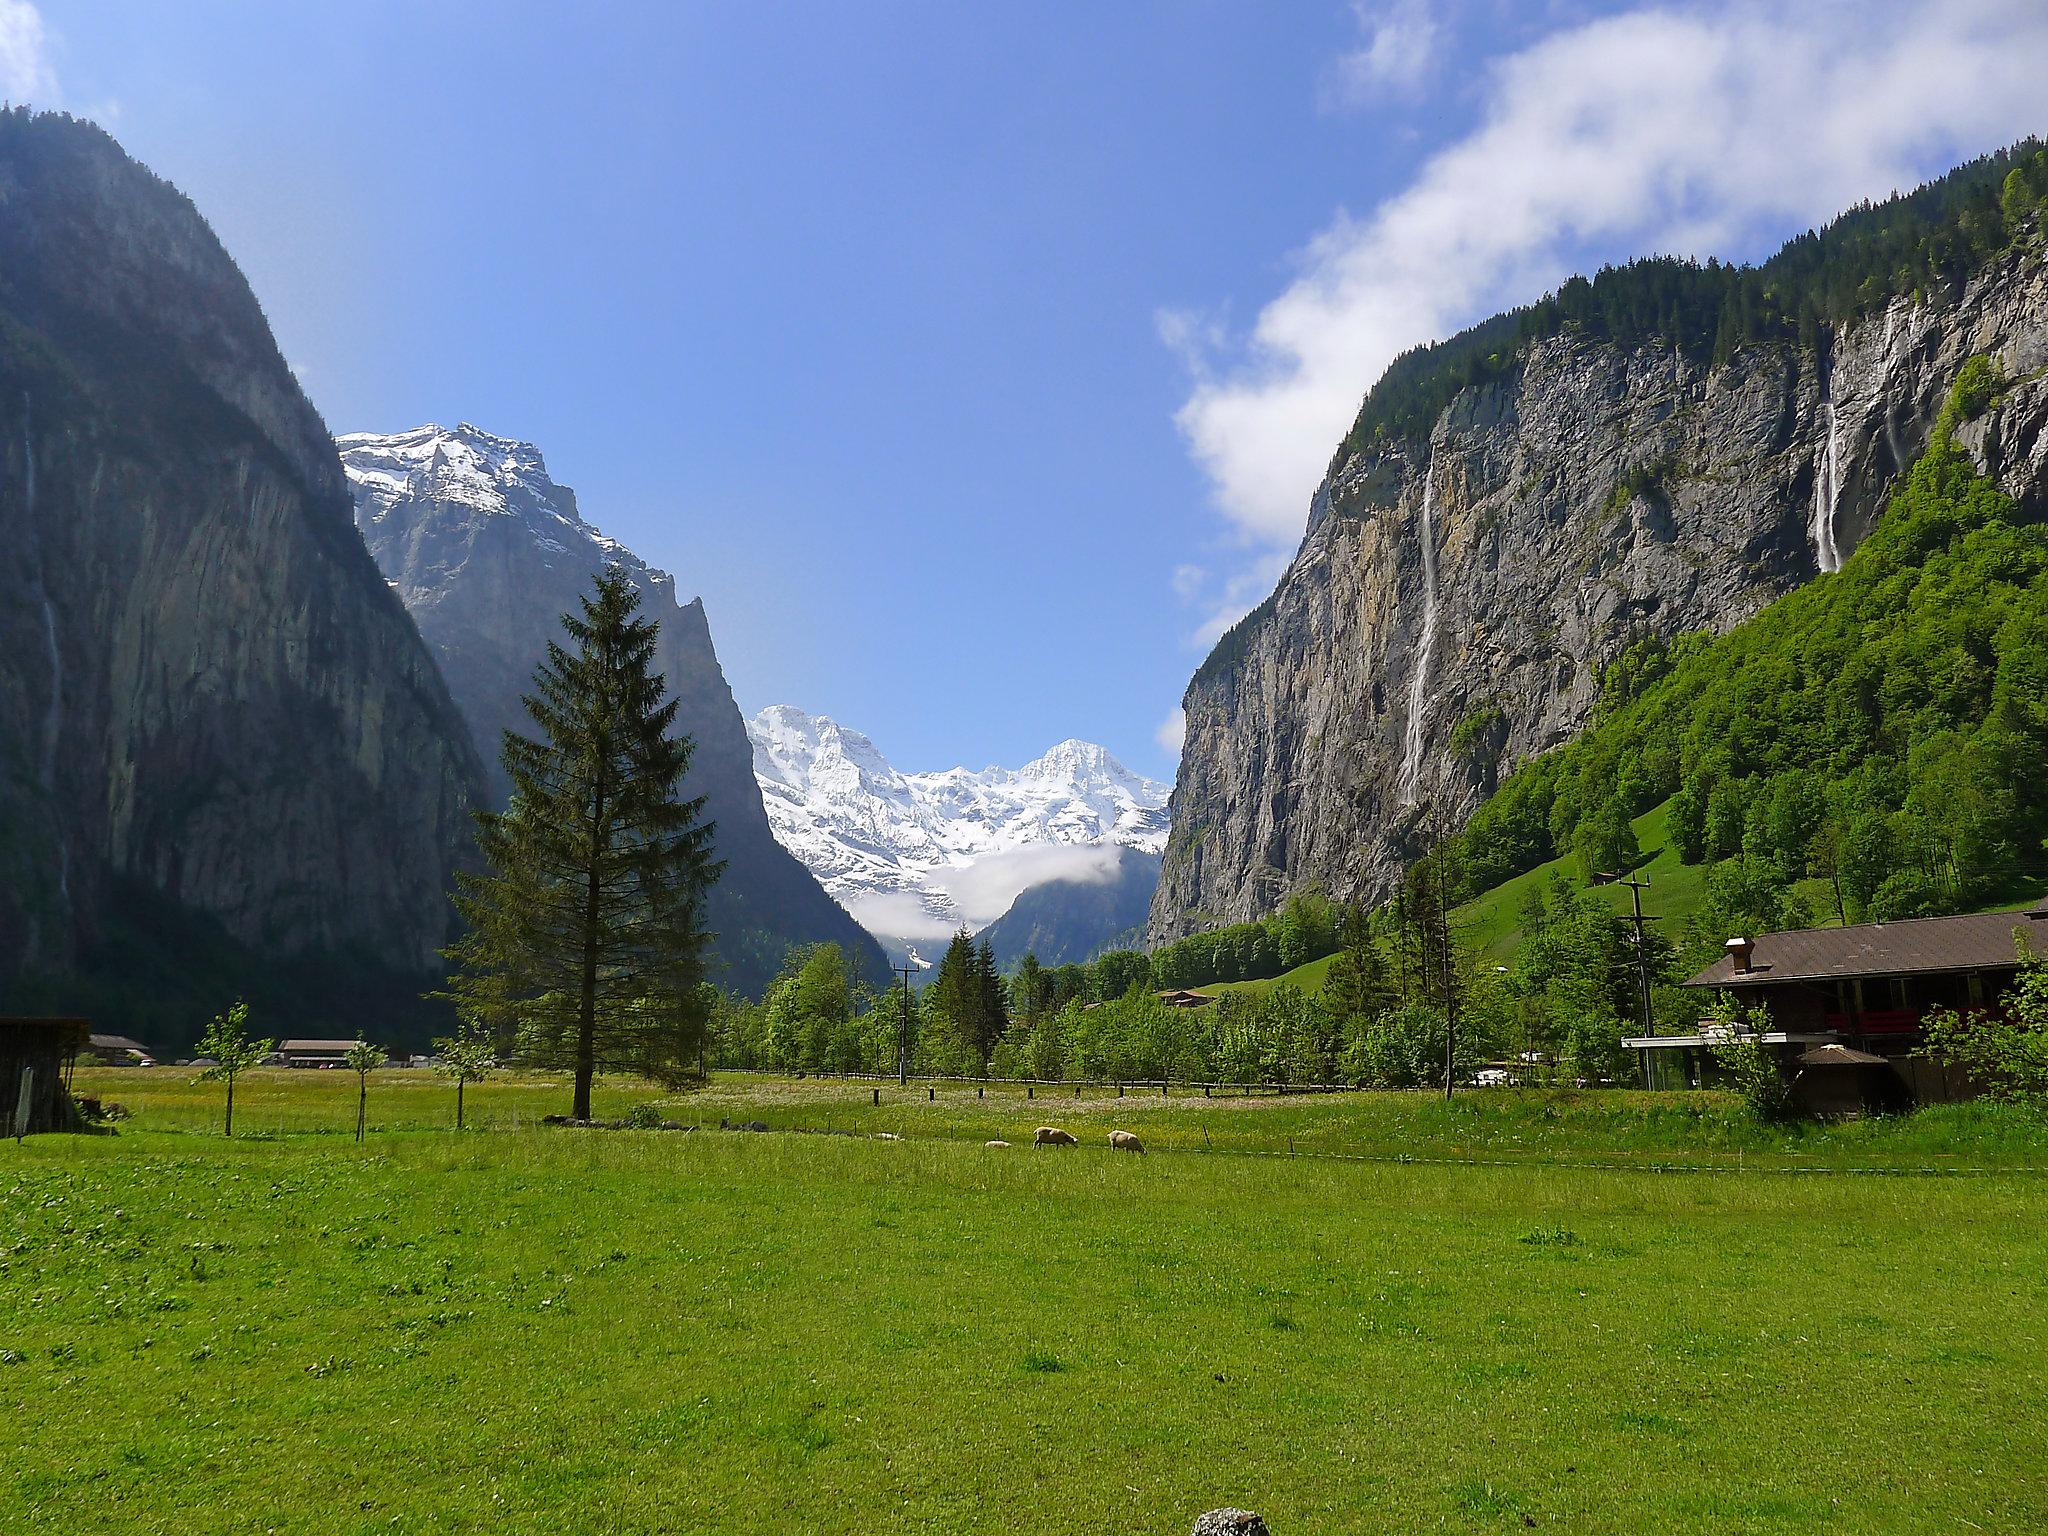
912	854
485	475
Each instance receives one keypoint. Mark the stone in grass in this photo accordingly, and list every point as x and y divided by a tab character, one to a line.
1230	1522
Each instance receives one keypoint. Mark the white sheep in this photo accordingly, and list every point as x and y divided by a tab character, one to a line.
1052	1136
995	1144
1124	1141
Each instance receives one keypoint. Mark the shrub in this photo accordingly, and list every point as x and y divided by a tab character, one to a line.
1756	1073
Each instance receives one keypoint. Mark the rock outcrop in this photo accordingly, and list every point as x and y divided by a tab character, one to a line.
487	552
1459	592
207	692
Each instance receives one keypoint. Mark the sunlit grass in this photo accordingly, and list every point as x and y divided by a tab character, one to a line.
626	1331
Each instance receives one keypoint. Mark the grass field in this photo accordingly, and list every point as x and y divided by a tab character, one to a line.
551	1329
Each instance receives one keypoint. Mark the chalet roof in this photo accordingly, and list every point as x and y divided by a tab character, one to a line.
1975	941
315	1047
118	1043
1182	997
62	1033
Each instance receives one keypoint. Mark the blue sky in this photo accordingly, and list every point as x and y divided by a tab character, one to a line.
975	362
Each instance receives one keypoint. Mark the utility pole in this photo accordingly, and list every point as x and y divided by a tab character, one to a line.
903	1029
1636	888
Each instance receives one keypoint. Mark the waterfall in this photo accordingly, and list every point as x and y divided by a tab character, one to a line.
1827	485
1418	689
1884	402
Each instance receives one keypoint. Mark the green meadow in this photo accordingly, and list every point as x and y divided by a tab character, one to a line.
550	1329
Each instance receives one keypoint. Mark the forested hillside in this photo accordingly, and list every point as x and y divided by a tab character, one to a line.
1884	728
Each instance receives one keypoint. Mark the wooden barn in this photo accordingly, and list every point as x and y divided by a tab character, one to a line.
33	1056
1865	989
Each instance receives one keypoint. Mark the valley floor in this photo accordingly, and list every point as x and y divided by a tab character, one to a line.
561	1330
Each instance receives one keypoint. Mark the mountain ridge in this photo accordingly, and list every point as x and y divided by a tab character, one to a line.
1466	574
903	846
213	712
487	551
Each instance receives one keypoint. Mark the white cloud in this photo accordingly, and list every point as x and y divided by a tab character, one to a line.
1697	130
984	889
25	72
1172	734
899	915
1398	47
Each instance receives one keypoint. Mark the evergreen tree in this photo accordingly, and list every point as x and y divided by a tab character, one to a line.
991	1002
586	933
954	1001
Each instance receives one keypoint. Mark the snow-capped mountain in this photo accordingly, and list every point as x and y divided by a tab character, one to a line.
912	855
487	552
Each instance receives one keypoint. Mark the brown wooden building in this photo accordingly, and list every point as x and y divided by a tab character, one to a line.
1867	987
33	1056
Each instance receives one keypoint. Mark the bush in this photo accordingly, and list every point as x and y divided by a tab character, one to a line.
2007	1054
1756	1073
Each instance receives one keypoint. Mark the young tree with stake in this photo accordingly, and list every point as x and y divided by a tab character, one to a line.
227	1044
359	1059
586	935
469	1056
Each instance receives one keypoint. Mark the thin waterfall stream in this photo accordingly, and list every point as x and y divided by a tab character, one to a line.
1418	691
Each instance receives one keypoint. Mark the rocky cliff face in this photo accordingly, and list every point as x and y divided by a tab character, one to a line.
1458	593
488	553
206	690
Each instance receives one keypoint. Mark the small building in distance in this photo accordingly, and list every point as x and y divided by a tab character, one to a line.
33	1056
1181	997
312	1053
1868	987
118	1051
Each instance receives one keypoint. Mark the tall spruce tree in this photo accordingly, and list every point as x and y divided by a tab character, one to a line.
586	936
991	1003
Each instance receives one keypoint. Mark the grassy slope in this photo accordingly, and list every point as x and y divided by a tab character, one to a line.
548	1331
1492	922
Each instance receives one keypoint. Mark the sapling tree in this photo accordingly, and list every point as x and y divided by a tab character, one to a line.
2003	1050
469	1056
227	1044
359	1059
1741	1053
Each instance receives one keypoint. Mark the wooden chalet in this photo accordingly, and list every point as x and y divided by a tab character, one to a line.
313	1053
33	1056
1866	988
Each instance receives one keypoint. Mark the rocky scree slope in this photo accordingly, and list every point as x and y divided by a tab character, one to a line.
488	553
207	692
1459	590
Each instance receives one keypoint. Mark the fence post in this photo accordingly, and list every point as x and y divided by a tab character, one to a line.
980	1091
931	1095
1162	1088
878	1097
1027	1090
1119	1090
1077	1090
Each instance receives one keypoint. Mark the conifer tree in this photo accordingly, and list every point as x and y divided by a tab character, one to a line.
586	933
991	1002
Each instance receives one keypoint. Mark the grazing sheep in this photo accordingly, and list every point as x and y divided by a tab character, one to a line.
1124	1141
887	1136
1052	1136
995	1144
